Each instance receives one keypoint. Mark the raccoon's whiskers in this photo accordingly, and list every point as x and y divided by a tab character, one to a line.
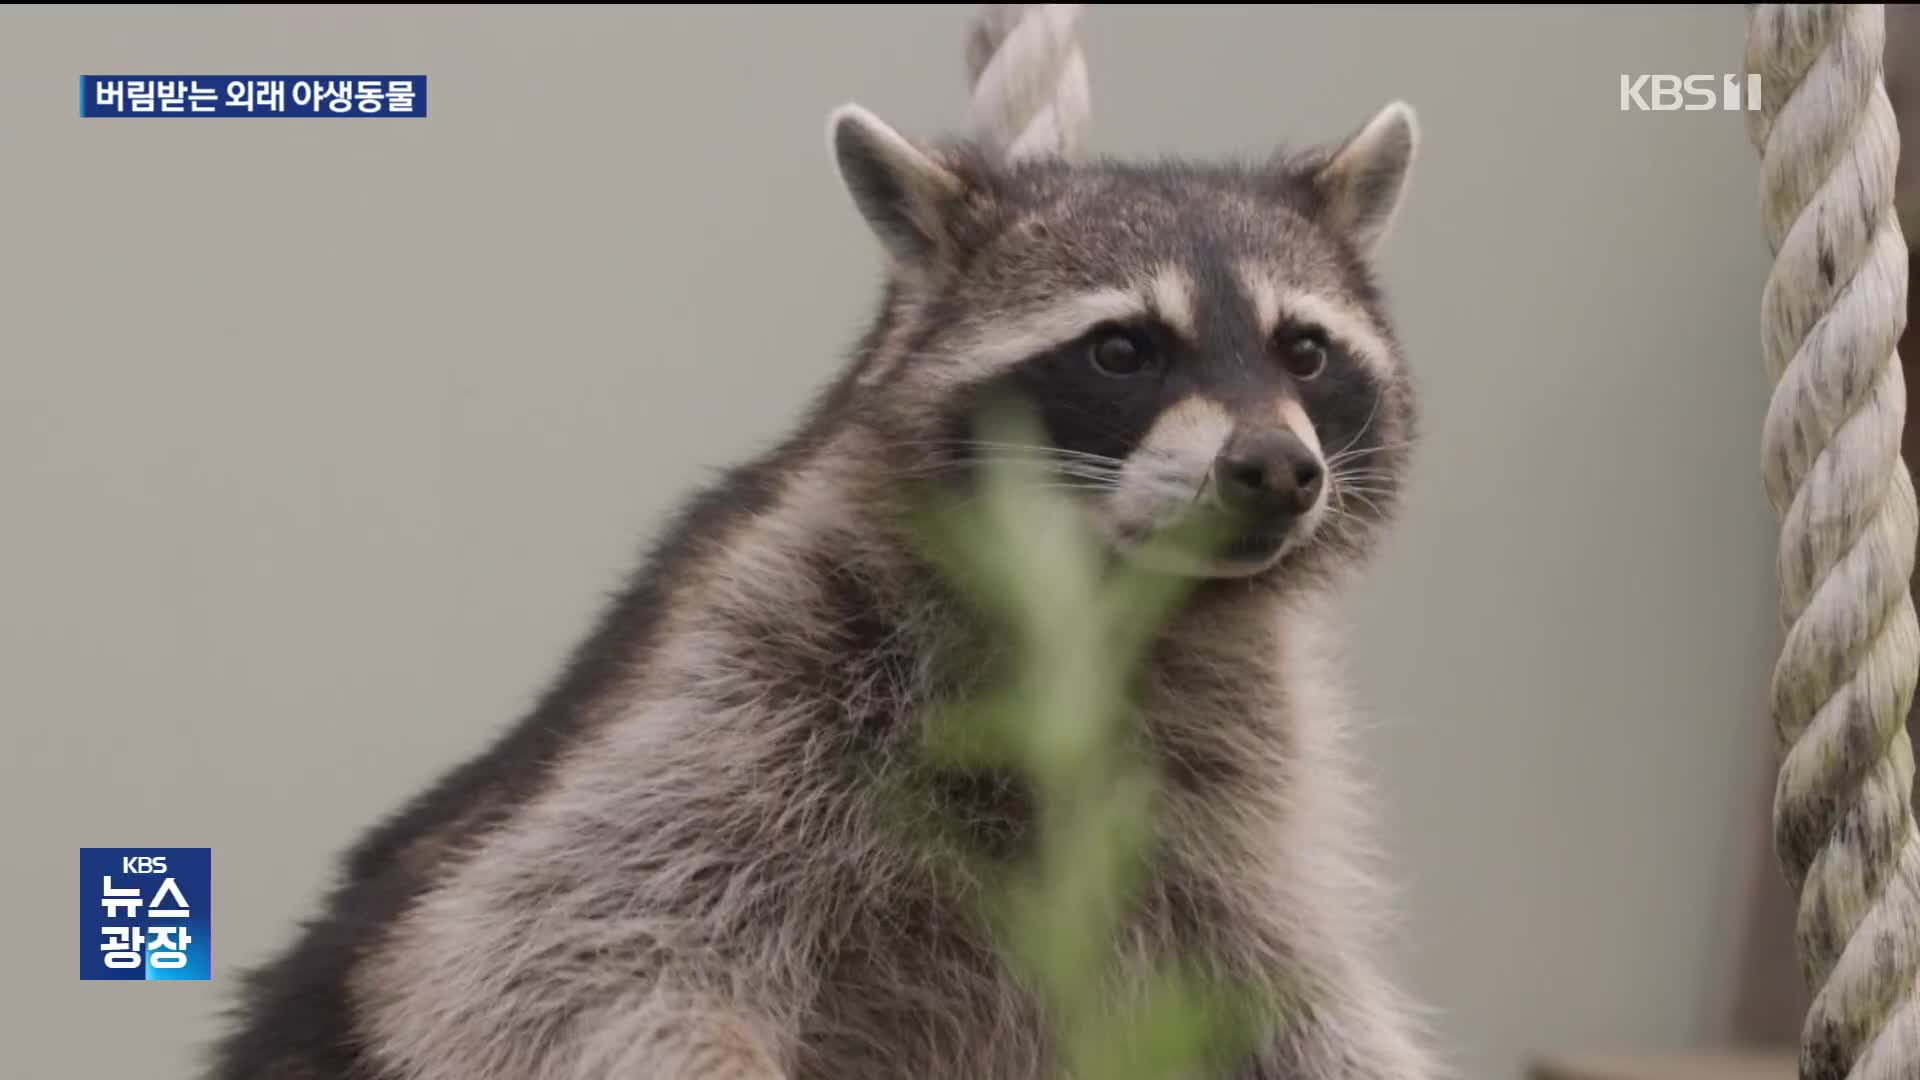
1361	476
1052	451
1337	505
1376	487
1357	435
982	449
1013	462
1348	455
1027	450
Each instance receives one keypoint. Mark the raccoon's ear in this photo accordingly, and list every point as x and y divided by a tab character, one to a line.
905	195
1363	180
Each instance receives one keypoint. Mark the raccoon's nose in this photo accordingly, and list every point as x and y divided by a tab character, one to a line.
1269	475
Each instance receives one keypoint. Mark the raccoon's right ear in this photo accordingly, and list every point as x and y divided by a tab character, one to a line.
906	196
1364	179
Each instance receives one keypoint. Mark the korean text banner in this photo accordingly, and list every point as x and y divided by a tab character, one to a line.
210	96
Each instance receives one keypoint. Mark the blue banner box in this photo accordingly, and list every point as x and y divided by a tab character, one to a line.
307	96
146	914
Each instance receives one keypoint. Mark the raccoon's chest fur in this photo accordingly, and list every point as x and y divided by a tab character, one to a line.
915	985
751	801
917	988
918	991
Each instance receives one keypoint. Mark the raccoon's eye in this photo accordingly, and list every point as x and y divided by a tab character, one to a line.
1303	353
1120	354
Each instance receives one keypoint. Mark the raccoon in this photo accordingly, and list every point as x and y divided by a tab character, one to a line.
680	863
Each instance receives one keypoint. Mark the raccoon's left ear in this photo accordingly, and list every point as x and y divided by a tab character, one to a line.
1363	180
906	196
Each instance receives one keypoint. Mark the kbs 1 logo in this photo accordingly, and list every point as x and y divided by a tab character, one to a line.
1691	93
146	914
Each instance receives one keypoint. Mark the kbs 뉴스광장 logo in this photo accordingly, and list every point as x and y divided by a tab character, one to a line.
146	914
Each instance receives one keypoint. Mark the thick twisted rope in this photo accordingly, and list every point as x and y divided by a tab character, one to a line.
1029	80
1833	312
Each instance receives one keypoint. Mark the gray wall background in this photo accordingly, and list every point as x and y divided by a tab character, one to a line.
321	443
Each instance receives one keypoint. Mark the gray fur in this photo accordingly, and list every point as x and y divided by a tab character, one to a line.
708	876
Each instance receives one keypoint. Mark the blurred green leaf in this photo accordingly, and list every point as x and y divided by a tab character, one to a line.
1078	624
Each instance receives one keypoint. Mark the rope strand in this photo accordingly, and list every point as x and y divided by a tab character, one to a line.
1833	309
1029	81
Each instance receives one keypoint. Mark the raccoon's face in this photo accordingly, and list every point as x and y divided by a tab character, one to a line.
1203	345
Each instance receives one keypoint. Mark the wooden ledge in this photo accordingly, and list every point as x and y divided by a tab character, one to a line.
1727	1065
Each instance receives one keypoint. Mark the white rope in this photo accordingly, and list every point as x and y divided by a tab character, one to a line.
1029	79
1832	314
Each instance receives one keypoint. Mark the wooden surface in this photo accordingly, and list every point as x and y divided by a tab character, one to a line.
1750	1065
